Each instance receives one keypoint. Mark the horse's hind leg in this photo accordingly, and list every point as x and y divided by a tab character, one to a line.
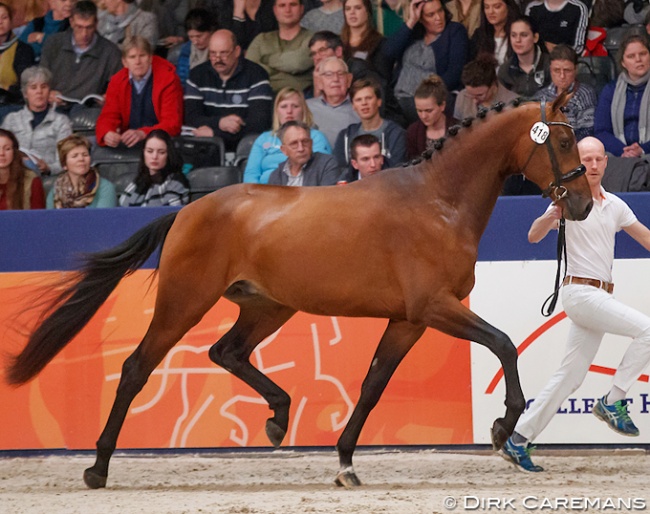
398	339
259	317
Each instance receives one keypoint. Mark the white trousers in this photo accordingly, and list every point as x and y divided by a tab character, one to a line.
593	312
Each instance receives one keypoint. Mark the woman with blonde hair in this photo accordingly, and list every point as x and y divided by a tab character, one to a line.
20	188
265	155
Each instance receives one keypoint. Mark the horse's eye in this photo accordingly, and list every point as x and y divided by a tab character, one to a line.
565	143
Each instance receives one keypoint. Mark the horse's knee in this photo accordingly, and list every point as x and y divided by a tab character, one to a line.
133	377
223	354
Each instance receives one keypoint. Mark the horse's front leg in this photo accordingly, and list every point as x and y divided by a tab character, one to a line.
398	339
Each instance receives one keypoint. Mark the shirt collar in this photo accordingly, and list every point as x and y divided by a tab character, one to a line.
139	84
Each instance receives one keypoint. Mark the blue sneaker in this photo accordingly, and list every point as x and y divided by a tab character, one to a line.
519	455
616	417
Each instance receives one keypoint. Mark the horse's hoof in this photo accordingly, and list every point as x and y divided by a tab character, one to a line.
347	479
274	432
93	480
499	434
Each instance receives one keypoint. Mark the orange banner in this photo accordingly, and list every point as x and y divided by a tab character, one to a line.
189	402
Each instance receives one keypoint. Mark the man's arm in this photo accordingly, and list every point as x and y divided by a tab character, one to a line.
640	233
543	225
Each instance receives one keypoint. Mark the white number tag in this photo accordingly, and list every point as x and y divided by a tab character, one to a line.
539	132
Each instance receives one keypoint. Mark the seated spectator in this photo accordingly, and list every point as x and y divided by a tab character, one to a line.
20	188
333	110
228	96
482	89
490	37
143	96
329	17
199	25
582	104
622	119
430	104
39	29
170	15
561	22
38	127
81	61
284	53
366	101
123	18
80	185
303	166
527	69
441	47
251	18
160	179
467	12
15	57
266	154
366	159
323	44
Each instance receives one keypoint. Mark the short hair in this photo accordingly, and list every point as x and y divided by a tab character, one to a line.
564	52
365	140
136	42
301	2
360	84
432	87
65	146
200	20
293	123
333	40
34	74
84	9
330	59
283	94
480	72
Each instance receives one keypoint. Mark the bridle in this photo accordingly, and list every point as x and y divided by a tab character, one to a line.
540	133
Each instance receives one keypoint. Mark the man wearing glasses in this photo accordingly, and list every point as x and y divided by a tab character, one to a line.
228	96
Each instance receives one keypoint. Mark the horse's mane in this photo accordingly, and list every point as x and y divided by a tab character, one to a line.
453	131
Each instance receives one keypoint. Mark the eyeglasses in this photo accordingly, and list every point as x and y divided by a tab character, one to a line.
294	145
331	74
222	54
320	51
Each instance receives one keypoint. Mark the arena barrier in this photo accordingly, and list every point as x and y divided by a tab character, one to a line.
446	392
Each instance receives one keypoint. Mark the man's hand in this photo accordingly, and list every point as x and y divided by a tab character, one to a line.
112	139
231	123
132	137
203	131
36	37
634	150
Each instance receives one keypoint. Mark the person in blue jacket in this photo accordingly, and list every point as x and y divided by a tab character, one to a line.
199	26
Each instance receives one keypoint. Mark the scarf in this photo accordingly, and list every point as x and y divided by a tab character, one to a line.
11	39
115	27
67	197
618	107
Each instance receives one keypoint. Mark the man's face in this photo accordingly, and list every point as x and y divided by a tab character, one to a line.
223	54
563	74
335	80
366	103
288	12
296	145
319	51
369	160
199	39
83	30
138	62
592	155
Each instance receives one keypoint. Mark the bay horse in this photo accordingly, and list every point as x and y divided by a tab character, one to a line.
400	245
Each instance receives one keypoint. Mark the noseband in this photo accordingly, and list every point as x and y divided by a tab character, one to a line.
540	134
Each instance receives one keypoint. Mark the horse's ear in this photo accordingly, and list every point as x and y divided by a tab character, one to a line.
561	100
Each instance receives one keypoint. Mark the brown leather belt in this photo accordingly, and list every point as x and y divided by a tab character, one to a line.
606	286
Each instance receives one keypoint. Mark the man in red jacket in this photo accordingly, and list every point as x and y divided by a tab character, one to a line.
144	95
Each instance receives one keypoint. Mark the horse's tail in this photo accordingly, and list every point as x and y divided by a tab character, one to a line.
71	310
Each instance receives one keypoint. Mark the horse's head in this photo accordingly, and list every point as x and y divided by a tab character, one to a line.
550	158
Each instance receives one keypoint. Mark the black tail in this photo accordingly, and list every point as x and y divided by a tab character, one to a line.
75	306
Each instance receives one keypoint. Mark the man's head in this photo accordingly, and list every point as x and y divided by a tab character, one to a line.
224	52
564	62
480	79
365	155
137	55
366	98
83	21
296	142
199	25
592	155
325	44
288	12
336	79
61	9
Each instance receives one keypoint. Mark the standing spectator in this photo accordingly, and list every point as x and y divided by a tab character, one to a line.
55	20
327	17
228	96
560	21
143	96
81	61
333	110
20	188
284	53
251	18
491	36
323	44
527	69
80	185
15	57
123	18
266	154
160	180
582	104
199	25
366	159
366	101
622	120
38	127
467	12
303	166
